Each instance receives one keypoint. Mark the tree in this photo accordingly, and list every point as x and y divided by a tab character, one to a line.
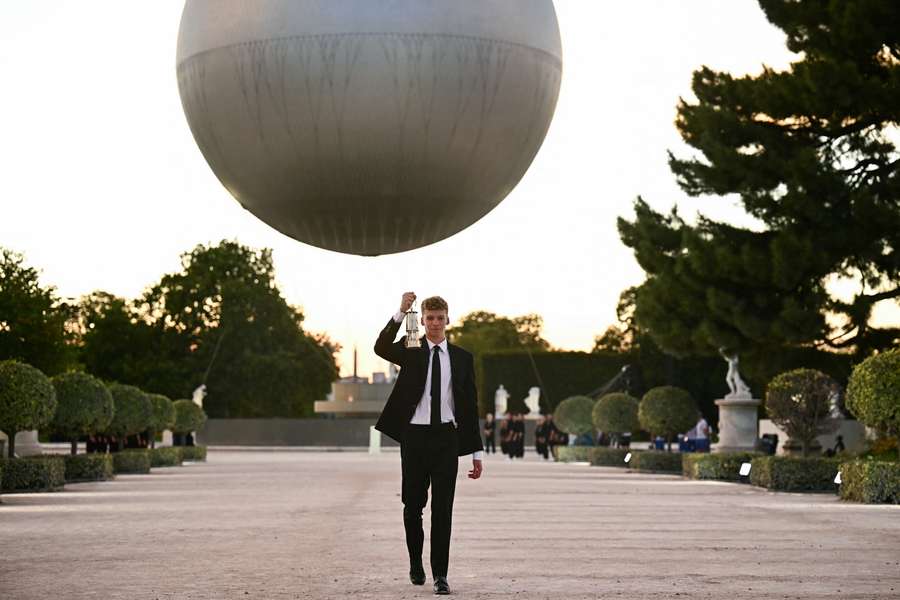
132	412
27	400
163	416
667	411
616	413
117	343
809	153
32	318
800	402
84	406
873	394
188	417
224	318
481	331
573	415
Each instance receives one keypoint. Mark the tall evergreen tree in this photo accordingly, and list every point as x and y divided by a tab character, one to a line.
812	154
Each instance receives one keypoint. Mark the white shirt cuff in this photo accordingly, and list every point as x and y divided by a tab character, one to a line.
398	317
477	455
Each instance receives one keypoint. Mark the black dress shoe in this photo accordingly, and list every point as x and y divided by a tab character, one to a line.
417	575
441	587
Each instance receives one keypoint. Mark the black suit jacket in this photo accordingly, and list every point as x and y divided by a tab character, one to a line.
410	386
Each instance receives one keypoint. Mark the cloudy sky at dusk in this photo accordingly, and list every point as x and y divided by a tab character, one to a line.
104	186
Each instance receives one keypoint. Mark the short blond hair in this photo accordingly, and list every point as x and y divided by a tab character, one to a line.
435	303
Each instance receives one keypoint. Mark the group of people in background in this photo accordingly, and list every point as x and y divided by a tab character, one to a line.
511	429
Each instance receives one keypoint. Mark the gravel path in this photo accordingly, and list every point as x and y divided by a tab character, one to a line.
286	525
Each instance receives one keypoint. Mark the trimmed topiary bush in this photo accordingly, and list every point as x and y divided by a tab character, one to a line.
655	461
163	415
667	411
873	393
88	467
27	400
616	414
84	406
799	402
608	457
573	415
198	453
720	466
870	481
133	411
188	417
167	457
133	460
568	453
794	473
33	474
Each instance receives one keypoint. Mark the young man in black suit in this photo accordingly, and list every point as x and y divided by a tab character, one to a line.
433	413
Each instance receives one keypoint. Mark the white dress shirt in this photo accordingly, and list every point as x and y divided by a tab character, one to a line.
422	416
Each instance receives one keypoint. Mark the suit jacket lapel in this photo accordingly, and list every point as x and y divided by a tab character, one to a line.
455	373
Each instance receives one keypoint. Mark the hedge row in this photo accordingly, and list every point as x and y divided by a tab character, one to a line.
166	457
794	473
572	453
195	453
721	466
870	481
608	457
33	474
135	460
88	467
656	461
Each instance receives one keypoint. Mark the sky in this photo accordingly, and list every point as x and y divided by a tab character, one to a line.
104	187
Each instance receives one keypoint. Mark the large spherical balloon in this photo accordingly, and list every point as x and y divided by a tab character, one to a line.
369	126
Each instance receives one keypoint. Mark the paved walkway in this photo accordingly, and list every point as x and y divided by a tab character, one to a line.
283	525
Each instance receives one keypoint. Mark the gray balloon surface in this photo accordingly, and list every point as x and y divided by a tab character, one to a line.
369	126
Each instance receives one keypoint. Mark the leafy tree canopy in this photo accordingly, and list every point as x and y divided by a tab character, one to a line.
811	153
32	317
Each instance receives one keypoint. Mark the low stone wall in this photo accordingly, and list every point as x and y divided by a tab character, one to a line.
288	432
302	432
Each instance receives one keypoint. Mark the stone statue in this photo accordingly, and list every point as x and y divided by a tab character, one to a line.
501	396
737	386
533	401
199	395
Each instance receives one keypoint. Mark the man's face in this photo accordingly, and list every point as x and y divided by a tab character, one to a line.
435	322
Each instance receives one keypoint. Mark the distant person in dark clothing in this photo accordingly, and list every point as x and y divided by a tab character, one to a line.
489	433
505	433
540	437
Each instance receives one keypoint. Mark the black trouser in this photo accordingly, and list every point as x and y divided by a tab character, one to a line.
429	456
489	445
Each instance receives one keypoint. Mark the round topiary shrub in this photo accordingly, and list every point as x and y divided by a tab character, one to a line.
188	416
163	415
573	415
27	399
84	406
132	413
799	402
667	411
616	413
873	393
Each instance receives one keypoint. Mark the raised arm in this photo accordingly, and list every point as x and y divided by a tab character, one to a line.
385	346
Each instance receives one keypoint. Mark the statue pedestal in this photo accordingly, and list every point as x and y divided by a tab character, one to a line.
27	444
738	423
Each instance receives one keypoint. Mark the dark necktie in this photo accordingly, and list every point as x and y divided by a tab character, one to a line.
436	387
